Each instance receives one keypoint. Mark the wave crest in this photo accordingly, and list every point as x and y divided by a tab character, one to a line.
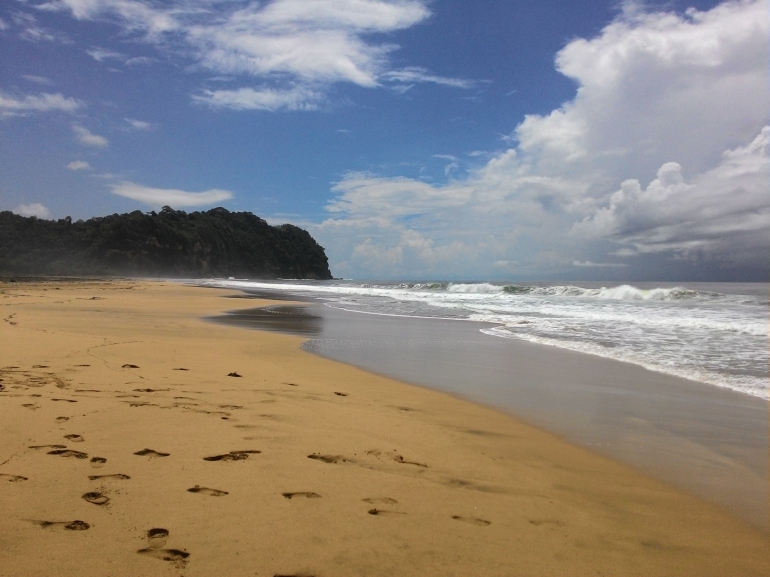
622	292
474	288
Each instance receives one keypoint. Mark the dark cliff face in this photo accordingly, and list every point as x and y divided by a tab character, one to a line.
171	243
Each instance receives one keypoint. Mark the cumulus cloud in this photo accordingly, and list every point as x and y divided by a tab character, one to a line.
678	101
725	210
290	48
656	88
79	165
157	197
17	106
88	138
34	209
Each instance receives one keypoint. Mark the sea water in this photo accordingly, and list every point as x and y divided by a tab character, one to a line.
713	333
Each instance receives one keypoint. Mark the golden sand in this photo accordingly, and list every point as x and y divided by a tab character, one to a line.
130	447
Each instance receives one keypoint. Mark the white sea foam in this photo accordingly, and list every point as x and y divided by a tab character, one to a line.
700	333
474	288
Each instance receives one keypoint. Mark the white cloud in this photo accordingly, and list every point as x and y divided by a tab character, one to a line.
134	15
157	197
417	74
139	61
34	209
88	138
79	165
656	88
102	54
30	30
288	47
681	96
266	99
16	106
139	124
38	79
105	55
725	210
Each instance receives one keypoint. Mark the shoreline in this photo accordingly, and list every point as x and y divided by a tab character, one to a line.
406	480
709	441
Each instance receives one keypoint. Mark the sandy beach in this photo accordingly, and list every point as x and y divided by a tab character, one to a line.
138	439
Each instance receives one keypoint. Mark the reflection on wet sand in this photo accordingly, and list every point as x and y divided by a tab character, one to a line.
291	319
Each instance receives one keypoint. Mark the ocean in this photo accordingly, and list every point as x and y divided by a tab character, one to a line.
716	334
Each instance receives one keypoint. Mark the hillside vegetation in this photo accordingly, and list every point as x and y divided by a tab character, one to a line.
170	243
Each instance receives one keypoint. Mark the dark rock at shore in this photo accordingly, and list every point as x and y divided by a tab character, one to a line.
171	243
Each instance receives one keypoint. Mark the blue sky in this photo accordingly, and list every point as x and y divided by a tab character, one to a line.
434	140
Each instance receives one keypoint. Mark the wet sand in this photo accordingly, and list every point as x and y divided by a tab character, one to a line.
710	441
139	440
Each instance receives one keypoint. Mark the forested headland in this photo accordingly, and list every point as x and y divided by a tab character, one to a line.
170	243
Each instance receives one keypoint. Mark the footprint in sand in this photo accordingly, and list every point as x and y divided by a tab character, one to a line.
176	556
96	498
151	453
384	513
180	369
12	478
380	501
75	525
97	462
48	446
69	453
156	539
340	394
396	457
551	522
402	461
232	456
62	419
130	366
75	438
327	458
207	491
31	406
307	494
65	400
113	476
472	520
